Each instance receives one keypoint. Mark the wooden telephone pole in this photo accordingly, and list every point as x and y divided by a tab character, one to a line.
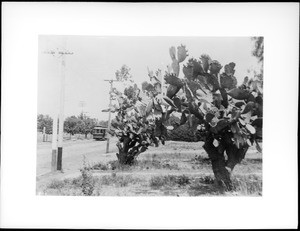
61	110
58	159
109	112
82	104
54	143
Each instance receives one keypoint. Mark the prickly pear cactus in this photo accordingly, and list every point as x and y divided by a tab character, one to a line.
141	116
229	116
207	97
174	68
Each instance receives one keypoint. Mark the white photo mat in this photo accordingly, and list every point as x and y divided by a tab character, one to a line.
20	207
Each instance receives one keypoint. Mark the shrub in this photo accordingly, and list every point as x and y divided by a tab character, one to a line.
182	180
118	181
56	184
201	160
206	179
88	182
169	180
183	133
247	184
160	181
100	166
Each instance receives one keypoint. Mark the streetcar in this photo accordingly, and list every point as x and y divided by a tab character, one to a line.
99	133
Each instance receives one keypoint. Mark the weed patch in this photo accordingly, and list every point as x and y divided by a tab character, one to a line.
110	165
156	164
242	185
201	160
247	184
168	181
118	181
88	181
182	180
56	184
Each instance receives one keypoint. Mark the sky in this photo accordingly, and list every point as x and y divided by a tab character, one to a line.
95	59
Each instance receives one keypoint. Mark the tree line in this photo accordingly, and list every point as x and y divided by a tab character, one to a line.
81	124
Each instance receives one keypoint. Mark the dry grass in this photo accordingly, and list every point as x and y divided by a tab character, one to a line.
244	185
118	180
169	180
172	185
176	169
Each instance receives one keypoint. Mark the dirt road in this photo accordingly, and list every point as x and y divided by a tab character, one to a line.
73	152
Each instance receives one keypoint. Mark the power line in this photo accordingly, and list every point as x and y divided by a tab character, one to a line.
82	104
58	53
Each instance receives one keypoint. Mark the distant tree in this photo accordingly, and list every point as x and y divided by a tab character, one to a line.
71	125
131	92
174	121
80	127
89	124
258	52
44	121
81	116
103	123
182	131
81	124
124	74
147	86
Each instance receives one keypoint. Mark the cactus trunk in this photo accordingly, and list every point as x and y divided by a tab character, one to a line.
222	168
222	175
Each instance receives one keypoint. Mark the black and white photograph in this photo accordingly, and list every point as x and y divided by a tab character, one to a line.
149	115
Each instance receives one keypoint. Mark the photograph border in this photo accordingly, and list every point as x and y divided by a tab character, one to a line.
21	25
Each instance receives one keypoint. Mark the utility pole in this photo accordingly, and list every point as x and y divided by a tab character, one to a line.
60	53
44	134
54	143
109	112
61	109
82	104
61	115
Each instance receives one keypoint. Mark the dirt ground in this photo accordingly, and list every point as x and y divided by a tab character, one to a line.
175	159
73	152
